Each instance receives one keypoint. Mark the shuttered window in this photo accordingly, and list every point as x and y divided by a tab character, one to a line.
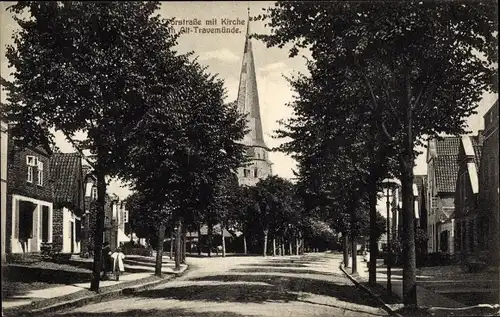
45	223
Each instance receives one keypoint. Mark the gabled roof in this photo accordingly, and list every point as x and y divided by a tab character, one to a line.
66	169
446	169
448	145
446	166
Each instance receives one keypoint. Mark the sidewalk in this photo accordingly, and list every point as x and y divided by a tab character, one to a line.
53	296
430	302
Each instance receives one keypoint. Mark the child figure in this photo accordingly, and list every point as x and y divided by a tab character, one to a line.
118	266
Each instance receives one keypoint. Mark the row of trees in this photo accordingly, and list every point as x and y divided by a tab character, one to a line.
383	78
151	117
269	215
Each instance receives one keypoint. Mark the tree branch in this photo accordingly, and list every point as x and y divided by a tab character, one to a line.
386	132
77	148
389	103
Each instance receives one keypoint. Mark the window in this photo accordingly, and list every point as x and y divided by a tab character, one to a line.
40	173
258	155
30	174
246	172
255	172
45	223
31	161
94	192
125	216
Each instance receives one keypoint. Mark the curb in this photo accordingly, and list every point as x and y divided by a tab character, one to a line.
96	298
369	291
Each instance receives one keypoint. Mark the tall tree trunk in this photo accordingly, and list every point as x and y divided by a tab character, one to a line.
245	251
223	241
210	234
264	249
407	163
290	248
274	246
178	246
372	196
354	266
282	247
184	244
159	249
99	228
171	244
199	240
297	245
345	243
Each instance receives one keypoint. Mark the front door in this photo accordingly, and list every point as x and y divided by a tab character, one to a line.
72	236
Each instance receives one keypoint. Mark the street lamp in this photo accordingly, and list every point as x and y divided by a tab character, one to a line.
389	183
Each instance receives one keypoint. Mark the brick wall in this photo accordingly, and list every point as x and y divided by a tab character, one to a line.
489	181
17	171
58	225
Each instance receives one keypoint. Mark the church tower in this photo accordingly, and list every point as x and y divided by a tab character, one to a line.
259	166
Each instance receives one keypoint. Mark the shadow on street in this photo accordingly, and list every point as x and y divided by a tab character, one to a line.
258	287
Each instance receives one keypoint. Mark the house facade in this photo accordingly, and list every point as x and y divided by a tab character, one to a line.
116	218
468	223
29	198
442	171
3	182
68	201
489	208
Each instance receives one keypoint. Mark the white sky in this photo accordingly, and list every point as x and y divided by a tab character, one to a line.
222	53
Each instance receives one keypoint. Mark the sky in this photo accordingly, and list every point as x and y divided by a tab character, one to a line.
222	53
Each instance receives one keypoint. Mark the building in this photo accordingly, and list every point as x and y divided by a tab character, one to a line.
89	218
468	223
66	169
29	198
488	183
442	171
3	181
258	166
120	219
420	181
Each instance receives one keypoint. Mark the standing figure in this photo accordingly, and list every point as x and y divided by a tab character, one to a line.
118	266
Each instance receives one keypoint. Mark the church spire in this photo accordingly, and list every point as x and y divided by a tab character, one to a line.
248	96
259	166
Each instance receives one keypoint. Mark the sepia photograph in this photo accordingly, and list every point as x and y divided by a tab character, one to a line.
249	158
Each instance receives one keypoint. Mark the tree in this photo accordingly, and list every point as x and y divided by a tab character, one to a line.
193	138
424	66
273	199
86	67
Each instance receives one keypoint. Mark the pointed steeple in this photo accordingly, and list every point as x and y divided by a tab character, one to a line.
259	166
248	96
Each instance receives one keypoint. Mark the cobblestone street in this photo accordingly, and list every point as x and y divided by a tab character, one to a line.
310	285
